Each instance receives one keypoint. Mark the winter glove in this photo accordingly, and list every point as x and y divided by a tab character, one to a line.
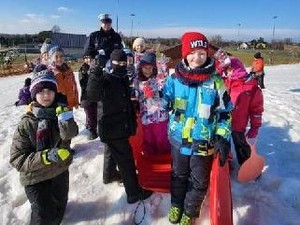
55	155
63	113
252	133
221	146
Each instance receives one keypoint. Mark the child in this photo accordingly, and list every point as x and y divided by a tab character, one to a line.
46	46
24	97
66	83
199	126
139	48
153	116
257	69
117	121
90	108
37	153
247	98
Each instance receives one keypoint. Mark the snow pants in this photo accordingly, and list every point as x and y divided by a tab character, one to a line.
189	181
48	200
121	153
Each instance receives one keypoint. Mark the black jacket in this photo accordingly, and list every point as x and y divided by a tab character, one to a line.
108	41
83	79
116	117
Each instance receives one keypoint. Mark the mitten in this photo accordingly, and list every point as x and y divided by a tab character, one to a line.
55	155
252	133
221	146
63	113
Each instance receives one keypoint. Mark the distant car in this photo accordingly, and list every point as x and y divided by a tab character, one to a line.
69	58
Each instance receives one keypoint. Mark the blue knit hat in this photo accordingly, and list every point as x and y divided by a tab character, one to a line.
42	78
148	59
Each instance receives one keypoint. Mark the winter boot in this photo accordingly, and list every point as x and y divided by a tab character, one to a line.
175	214
186	220
92	135
144	194
116	176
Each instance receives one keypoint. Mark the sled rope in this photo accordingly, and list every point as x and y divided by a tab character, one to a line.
135	212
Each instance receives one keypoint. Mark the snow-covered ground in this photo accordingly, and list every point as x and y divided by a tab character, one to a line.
274	199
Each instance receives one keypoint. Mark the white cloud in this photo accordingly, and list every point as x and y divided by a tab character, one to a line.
54	16
31	18
63	9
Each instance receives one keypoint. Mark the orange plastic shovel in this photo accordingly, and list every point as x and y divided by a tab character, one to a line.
252	167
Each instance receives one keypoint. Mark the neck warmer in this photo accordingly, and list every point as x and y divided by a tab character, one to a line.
46	118
194	76
119	71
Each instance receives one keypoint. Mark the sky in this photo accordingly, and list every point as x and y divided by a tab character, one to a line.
233	20
273	199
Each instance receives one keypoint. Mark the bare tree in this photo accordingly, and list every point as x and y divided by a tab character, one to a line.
55	29
216	40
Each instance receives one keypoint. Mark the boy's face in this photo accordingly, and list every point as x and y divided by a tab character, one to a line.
147	70
196	58
45	97
87	60
58	58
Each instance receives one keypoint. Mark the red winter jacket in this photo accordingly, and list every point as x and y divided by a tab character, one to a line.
248	105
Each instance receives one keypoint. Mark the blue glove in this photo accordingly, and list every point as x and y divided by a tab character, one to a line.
55	155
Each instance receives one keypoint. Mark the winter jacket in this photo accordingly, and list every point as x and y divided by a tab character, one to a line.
66	84
108	41
115	114
200	107
83	80
248	104
258	66
27	160
148	95
24	96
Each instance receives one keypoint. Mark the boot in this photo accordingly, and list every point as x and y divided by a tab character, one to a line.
175	214
92	135
186	220
144	194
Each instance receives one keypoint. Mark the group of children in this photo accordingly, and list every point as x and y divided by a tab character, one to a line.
192	116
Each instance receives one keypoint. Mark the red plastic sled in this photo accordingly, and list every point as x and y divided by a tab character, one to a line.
220	194
154	171
252	167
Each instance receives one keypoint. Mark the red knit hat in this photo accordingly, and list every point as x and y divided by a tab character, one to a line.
192	41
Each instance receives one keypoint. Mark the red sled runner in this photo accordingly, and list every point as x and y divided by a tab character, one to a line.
220	194
154	171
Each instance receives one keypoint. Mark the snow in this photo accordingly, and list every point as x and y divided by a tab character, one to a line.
273	199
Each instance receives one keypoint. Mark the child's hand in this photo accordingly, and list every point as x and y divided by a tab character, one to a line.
55	155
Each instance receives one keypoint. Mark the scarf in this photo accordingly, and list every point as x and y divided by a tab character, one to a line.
46	119
195	76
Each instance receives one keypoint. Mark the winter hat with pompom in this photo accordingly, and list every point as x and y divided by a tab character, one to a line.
55	49
42	78
46	46
192	41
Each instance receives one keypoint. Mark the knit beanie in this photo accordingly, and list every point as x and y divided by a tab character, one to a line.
138	41
46	46
192	41
257	55
42	78
148	59
55	49
118	55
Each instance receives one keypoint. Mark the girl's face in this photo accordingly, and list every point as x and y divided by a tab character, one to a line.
196	58
58	58
147	70
45	97
139	48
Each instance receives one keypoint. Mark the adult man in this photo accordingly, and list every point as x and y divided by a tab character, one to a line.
105	38
103	42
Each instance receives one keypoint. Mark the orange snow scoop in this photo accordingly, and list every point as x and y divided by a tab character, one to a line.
252	167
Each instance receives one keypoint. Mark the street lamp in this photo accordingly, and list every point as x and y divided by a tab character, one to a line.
274	18
239	26
132	15
117	16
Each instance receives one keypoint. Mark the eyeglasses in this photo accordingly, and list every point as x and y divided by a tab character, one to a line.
119	63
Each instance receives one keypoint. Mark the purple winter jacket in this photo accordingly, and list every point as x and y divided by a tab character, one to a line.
24	96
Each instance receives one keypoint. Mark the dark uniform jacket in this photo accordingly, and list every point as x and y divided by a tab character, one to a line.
108	41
